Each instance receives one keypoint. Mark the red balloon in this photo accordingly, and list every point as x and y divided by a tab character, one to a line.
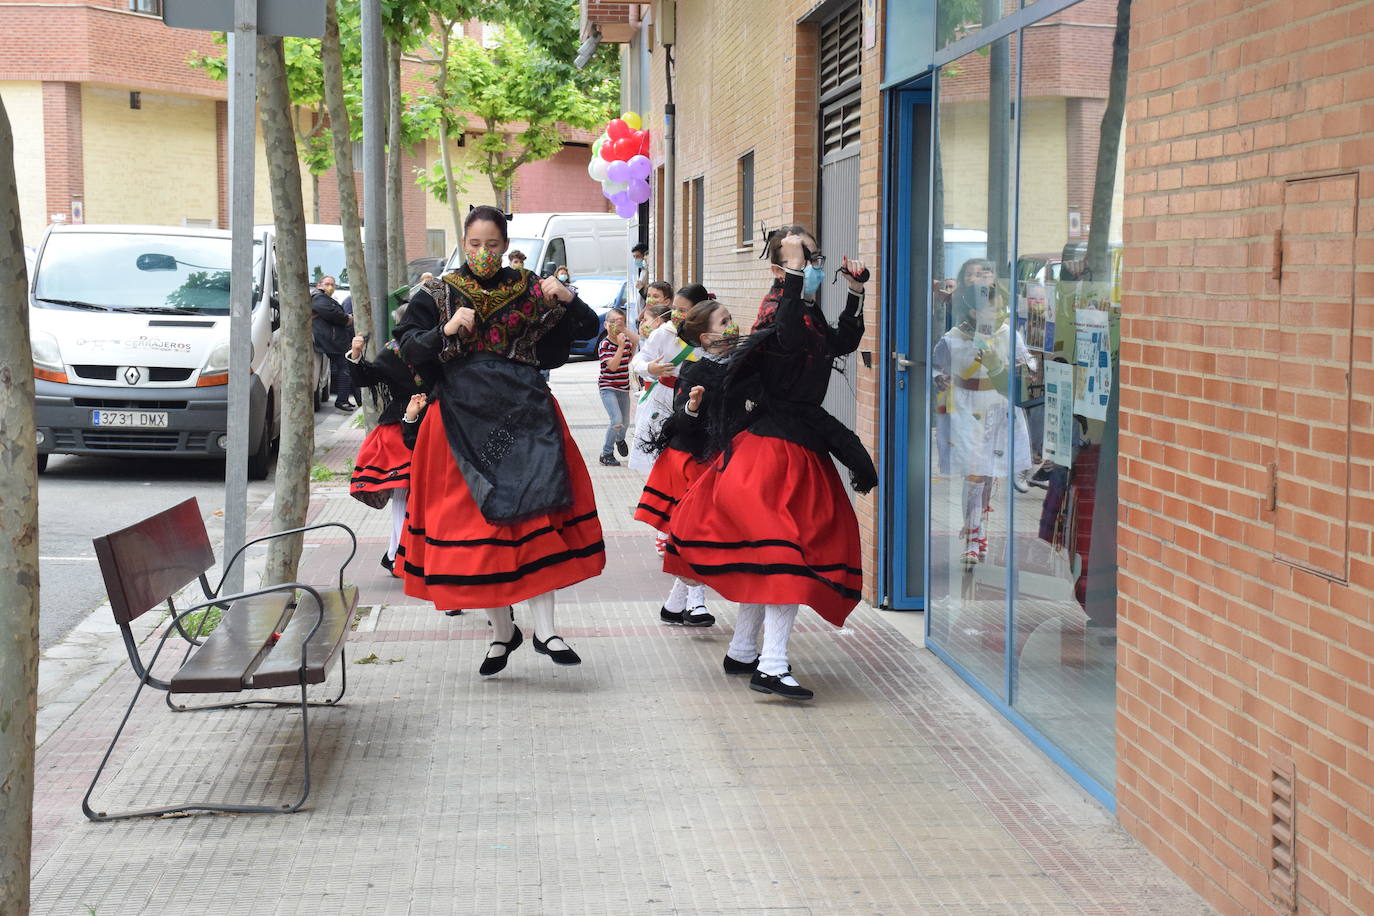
625	149
618	129
642	136
608	151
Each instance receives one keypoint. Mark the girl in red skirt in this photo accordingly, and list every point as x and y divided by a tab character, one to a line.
501	506
381	472
683	444
769	524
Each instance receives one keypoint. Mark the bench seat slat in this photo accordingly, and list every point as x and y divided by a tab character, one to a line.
281	668
231	651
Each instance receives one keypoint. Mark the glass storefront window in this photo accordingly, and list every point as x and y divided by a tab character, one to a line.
970	360
1068	308
1025	222
956	19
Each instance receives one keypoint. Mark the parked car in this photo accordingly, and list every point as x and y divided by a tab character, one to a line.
130	334
421	266
602	294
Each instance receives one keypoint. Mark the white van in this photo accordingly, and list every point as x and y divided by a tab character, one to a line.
590	244
130	332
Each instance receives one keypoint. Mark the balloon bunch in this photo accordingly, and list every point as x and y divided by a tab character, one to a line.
620	161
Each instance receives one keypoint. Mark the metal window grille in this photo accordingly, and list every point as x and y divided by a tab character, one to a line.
841	50
151	7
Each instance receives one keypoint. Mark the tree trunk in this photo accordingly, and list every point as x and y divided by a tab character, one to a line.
1108	148
18	549
315	199
395	210
445	125
341	133
297	348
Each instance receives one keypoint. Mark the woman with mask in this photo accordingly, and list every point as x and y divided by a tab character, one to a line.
768	523
970	365
656	365
502	508
562	274
683	444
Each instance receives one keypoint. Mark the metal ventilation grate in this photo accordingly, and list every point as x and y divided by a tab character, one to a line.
841	49
1283	875
840	127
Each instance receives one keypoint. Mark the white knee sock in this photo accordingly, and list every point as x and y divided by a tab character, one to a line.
744	646
696	596
502	620
398	520
973	505
541	606
677	596
777	629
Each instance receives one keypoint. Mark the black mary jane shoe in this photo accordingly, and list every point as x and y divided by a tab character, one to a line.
491	665
772	683
456	612
558	656
698	617
387	563
668	616
733	666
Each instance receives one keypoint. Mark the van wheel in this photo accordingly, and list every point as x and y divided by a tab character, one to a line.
260	462
42	463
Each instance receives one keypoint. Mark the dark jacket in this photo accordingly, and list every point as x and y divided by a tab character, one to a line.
329	323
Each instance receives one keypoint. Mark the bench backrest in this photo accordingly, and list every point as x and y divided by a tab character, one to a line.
148	562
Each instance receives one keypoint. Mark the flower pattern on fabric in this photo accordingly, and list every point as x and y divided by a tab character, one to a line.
511	316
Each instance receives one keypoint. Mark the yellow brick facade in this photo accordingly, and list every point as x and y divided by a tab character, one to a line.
24	106
152	165
478	192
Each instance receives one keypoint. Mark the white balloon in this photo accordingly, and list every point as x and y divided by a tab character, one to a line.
597	169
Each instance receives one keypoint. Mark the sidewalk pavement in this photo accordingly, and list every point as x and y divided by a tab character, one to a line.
644	781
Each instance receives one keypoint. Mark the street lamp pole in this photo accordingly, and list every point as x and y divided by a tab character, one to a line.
243	69
375	102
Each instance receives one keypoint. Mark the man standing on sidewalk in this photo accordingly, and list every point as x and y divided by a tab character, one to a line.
331	327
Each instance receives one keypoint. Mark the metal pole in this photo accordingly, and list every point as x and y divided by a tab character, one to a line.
243	70
375	103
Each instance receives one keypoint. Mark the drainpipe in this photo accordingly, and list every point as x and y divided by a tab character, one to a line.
670	189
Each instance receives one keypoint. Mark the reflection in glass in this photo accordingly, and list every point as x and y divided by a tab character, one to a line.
956	19
970	363
1068	310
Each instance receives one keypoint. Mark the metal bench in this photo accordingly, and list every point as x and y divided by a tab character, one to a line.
283	635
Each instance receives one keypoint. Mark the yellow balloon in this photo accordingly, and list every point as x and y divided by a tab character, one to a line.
632	120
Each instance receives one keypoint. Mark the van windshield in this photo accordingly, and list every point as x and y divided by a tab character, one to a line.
138	272
327	260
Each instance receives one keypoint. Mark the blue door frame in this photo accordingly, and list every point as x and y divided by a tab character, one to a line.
904	393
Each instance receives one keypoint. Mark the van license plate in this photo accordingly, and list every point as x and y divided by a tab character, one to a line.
131	419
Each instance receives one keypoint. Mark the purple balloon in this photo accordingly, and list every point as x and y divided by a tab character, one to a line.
622	198
618	171
626	211
606	193
639	190
640	167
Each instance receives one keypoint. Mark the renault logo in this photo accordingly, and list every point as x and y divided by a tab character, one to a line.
132	375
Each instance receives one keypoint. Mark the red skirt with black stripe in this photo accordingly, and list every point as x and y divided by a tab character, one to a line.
774	527
451	555
383	464
673	472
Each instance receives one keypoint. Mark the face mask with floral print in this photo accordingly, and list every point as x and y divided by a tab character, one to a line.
483	262
730	331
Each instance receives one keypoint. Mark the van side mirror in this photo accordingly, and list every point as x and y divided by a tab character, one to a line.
275	305
156	262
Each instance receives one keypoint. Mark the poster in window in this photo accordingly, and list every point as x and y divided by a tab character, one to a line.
1092	384
1058	443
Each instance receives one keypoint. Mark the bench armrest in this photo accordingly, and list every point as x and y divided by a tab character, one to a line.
276	534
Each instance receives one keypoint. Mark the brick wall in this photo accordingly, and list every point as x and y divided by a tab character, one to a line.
558	185
61	131
24	107
746	80
1229	656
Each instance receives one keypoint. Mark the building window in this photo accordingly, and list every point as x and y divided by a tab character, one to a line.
436	243
693	229
151	7
745	208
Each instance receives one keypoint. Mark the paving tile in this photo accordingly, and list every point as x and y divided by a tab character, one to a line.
643	782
